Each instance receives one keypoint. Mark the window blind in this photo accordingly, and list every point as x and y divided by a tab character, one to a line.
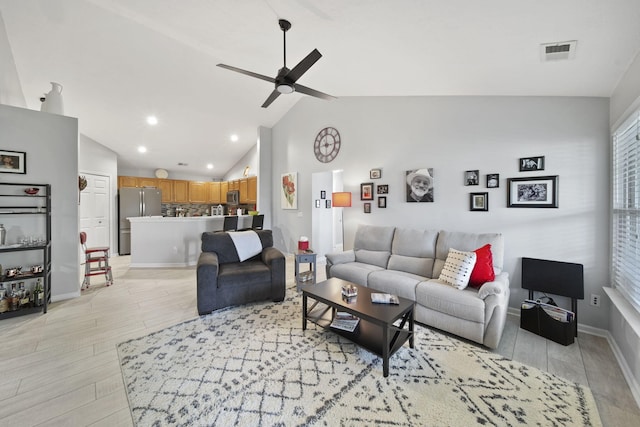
625	253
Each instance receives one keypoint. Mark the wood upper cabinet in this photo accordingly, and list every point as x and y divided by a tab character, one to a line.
214	192
224	188
166	186
252	189
198	192
244	191
234	185
180	191
127	181
146	182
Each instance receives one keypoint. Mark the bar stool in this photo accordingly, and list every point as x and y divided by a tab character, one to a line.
257	222
99	256
230	223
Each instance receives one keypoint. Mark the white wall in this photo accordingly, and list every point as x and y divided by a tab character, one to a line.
451	135
10	88
95	158
249	159
51	144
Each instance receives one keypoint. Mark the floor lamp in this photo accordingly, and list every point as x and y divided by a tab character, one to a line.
341	200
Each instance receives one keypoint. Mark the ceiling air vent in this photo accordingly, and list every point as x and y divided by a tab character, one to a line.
558	51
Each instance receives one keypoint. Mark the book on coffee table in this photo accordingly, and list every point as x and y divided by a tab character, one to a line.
380	298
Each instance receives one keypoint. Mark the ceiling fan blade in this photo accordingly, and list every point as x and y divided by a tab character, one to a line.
303	66
312	92
271	98
248	73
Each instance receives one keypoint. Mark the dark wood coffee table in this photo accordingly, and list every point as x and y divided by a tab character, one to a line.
383	328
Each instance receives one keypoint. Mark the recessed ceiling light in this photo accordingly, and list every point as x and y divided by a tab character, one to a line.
234	137
209	166
142	149
152	120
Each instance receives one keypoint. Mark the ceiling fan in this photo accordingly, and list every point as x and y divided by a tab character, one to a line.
286	79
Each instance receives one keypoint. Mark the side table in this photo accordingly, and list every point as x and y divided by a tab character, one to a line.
307	276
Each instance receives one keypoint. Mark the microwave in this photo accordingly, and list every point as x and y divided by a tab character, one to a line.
233	197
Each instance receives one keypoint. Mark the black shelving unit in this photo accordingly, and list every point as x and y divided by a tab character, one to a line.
14	205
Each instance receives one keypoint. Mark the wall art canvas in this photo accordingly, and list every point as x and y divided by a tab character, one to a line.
289	194
419	185
528	164
479	202
472	177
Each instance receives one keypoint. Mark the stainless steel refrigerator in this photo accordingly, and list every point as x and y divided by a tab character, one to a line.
135	202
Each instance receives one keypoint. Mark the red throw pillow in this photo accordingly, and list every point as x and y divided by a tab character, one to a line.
483	270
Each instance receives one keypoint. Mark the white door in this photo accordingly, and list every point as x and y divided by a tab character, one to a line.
95	218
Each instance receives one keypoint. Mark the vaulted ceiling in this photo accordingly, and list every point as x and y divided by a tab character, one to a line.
122	60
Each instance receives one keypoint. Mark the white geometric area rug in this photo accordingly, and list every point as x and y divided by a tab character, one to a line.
254	366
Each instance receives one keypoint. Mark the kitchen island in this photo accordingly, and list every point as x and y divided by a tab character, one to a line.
172	241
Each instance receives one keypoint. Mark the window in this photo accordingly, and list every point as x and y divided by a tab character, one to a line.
625	251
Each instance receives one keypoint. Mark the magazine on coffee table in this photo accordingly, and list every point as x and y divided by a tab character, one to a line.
380	298
345	321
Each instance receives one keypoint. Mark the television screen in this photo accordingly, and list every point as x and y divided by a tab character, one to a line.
553	277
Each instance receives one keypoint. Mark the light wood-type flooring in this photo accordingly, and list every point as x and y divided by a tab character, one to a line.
62	368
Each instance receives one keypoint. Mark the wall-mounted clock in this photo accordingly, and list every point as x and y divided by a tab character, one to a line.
327	144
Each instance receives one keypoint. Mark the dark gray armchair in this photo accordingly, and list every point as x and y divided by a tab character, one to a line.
223	280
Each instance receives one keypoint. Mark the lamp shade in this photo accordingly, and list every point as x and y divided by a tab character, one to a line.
341	200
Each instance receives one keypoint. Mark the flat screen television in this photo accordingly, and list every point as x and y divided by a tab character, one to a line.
553	277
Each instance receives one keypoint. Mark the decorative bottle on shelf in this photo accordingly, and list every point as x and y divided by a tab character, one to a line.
53	100
3	234
38	294
4	302
14	298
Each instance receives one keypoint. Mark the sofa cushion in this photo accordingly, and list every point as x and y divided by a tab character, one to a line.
413	251
221	244
395	282
441	297
248	273
457	268
372	244
483	270
467	242
355	272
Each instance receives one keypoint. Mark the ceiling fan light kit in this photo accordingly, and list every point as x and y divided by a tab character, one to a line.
285	81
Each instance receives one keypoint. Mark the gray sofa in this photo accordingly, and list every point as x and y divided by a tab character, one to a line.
408	262
222	280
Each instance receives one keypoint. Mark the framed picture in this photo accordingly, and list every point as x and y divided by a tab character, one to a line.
382	202
419	186
493	180
323	194
327	204
528	164
289	194
366	191
536	192
472	177
13	161
478	201
367	208
382	189
317	203
375	173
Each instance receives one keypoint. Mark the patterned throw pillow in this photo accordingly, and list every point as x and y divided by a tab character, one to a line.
457	268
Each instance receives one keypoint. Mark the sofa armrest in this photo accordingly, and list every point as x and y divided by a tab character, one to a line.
207	281
276	261
500	285
340	257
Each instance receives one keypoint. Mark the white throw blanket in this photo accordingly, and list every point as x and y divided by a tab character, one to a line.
247	243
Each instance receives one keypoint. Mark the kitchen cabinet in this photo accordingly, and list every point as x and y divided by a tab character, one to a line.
127	181
224	189
234	185
166	186
146	182
198	192
180	191
214	192
244	191
252	189
28	289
